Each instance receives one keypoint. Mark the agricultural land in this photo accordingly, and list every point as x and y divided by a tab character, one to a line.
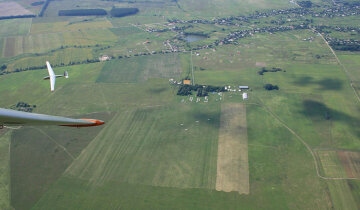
288	138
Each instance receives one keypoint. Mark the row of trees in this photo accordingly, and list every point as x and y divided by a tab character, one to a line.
18	16
37	3
273	69
202	90
114	12
71	63
82	12
345	46
122	12
44	8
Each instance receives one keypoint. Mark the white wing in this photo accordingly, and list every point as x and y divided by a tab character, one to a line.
51	76
12	117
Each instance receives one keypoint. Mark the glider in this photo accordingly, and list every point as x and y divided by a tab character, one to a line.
12	117
52	76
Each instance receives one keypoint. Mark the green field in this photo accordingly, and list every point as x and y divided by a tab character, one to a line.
15	27
80	24
331	164
139	69
41	43
56	58
58	146
215	8
341	195
5	138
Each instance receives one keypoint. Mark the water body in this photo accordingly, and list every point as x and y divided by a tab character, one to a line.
194	38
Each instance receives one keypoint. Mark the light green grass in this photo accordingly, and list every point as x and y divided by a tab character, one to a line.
15	27
48	154
40	43
274	182
51	27
1	47
341	195
354	186
58	57
30	87
139	69
215	8
5	138
126	151
351	63
331	164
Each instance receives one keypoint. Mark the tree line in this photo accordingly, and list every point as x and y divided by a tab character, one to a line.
44	8
114	12
273	69
82	12
18	16
202	90
122	12
37	3
345	46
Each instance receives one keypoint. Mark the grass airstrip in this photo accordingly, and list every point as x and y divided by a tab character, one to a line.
278	150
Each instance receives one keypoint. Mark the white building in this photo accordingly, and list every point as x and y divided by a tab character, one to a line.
245	96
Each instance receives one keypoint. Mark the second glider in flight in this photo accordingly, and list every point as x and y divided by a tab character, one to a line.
52	77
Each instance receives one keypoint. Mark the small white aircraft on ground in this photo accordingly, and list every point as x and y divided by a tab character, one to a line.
53	77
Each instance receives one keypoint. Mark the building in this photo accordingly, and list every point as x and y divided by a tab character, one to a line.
244	87
245	96
187	82
104	58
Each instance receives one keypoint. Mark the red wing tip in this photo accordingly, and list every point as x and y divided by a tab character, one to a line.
94	123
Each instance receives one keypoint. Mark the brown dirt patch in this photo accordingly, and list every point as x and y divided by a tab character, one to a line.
260	64
9	49
351	163
232	160
13	9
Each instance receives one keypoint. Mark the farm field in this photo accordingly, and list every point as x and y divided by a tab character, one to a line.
140	69
75	25
56	58
5	138
207	9
350	162
295	147
41	43
266	181
232	162
331	164
13	9
15	27
59	146
341	195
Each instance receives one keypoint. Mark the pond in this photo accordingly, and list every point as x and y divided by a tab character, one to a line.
194	38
